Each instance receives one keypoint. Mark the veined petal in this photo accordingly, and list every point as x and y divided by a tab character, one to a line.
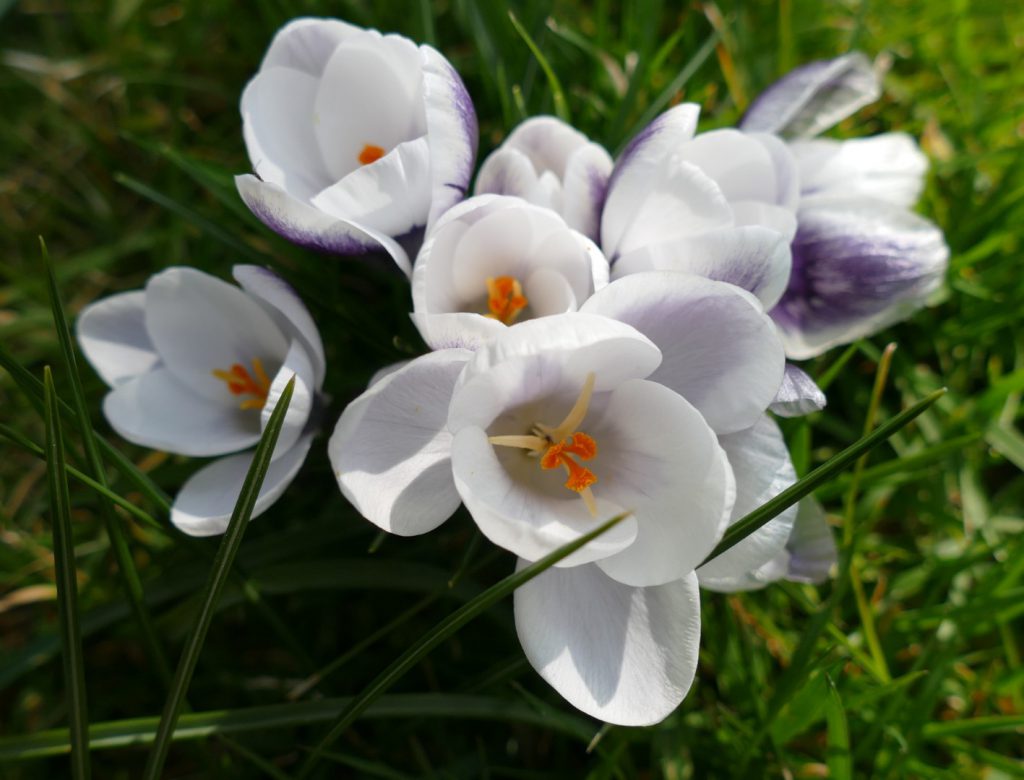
760	461
682	496
455	330
298	364
157	410
288	310
720	351
859	265
112	335
814	97
391	450
306	226
451	131
584	188
659	139
306	44
199	323
621	654
798	394
205	502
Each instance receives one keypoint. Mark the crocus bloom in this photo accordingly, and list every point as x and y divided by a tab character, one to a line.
557	423
495	260
356	138
547	162
196	366
861	259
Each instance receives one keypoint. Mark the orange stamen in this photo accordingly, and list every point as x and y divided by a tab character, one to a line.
241	382
370	153
558	454
505	298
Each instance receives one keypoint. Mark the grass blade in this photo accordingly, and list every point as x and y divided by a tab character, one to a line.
130	581
67	585
215	584
840	765
442	631
557	93
804	487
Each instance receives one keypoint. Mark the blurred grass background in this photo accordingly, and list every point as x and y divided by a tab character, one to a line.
120	136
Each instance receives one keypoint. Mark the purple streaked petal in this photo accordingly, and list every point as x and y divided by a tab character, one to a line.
584	188
306	226
451	130
814	97
859	265
798	395
660	138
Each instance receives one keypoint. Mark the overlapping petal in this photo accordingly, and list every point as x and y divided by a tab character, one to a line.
112	335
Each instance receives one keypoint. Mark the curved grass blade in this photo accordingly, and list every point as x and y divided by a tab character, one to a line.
557	93
804	487
215	584
442	631
67	585
130	581
840	765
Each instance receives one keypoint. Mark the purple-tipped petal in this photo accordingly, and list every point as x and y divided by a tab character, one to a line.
660	138
798	395
306	226
814	97
451	130
584	188
859	265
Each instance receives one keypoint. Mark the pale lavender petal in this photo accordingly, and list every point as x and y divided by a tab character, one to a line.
112	335
814	97
798	395
584	187
306	44
811	546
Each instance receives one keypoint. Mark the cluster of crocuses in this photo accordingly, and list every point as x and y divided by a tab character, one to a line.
607	336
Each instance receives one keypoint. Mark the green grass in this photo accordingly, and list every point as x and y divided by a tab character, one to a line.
120	137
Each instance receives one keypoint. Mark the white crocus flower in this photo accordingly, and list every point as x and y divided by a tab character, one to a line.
495	260
557	423
196	366
548	162
356	138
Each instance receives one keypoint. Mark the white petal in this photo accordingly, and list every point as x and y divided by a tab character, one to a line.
814	97
720	351
585	186
306	226
455	330
277	123
390	196
112	335
451	130
506	172
660	139
199	323
756	258
391	451
739	164
620	654
296	364
811	546
204	505
777	218
157	410
547	141
306	44
798	394
525	509
889	166
287	308
548	293
537	358
760	461
658	457
787	170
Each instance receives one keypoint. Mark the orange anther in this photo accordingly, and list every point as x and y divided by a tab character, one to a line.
505	298
241	382
559	454
370	153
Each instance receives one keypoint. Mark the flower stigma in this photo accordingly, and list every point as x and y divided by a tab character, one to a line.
241	382
505	298
370	153
562	444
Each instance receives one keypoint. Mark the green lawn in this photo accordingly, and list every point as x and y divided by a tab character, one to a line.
120	136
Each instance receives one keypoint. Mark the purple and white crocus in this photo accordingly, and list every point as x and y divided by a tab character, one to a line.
559	422
356	138
195	367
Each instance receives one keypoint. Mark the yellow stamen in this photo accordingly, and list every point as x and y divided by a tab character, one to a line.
505	299
241	382
370	154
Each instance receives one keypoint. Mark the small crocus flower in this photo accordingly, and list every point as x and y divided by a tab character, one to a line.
549	163
861	259
492	261
196	366
356	138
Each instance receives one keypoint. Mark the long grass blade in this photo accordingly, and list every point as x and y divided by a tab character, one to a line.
219	575
130	581
557	93
767	511
67	586
442	631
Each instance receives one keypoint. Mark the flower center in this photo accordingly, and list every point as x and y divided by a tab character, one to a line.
505	298
562	445
370	153
241	382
